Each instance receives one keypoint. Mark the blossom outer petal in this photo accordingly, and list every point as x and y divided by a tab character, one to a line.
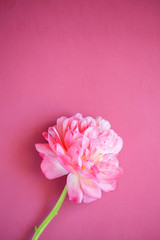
90	188
118	145
79	116
87	199
74	189
51	167
53	132
102	123
108	185
43	148
60	126
51	142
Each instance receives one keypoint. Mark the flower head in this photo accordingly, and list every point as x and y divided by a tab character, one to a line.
86	149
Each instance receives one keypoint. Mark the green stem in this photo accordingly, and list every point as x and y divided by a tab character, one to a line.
51	215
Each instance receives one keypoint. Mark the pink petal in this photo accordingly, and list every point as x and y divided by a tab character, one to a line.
73	187
114	143
65	161
79	116
58	148
103	124
85	173
87	199
109	167
51	141
86	122
53	132
51	167
91	132
91	121
90	188
118	145
85	142
44	148
88	164
65	126
75	153
108	186
83	126
68	139
74	125
45	135
110	159
60	126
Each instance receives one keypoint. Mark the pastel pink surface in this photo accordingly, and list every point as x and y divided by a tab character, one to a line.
99	58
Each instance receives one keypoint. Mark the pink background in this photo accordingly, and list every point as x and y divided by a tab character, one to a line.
93	57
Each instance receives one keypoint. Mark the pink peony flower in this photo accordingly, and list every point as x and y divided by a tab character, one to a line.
86	149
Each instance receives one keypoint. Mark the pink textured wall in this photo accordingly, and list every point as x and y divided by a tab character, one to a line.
96	57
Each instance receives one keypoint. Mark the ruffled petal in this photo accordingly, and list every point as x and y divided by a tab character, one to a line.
65	126
57	148
108	186
60	126
73	187
51	167
103	124
79	116
68	139
75	153
87	199
65	161
74	125
53	132
109	167
44	148
50	140
90	188
85	142
91	132
110	159
114	143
